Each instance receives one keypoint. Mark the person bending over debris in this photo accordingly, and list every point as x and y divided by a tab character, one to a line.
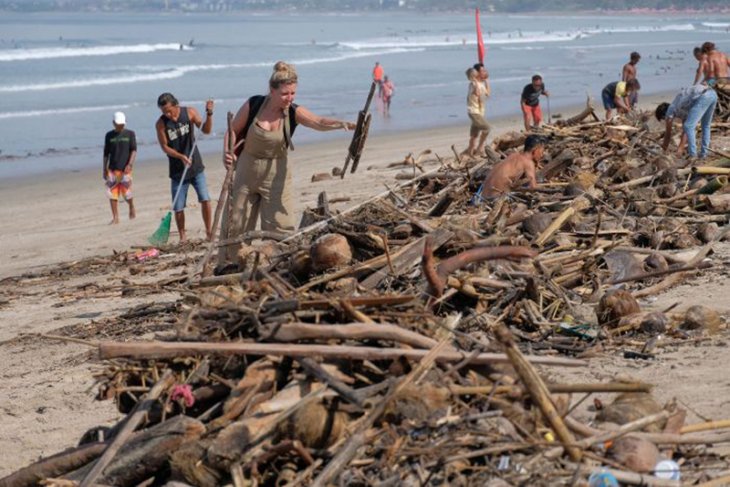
506	174
616	95
692	105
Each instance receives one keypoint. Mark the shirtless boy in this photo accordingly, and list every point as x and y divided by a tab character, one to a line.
718	64
629	72
507	173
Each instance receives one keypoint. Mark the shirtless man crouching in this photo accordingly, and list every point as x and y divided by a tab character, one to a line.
507	173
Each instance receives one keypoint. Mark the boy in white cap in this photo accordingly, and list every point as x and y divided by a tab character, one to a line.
120	151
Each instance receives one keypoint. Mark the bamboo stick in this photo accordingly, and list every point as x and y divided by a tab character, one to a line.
538	391
155	350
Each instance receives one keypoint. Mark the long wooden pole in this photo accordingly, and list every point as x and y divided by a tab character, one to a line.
156	350
222	201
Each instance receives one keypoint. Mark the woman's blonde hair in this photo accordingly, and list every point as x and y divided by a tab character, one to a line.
284	74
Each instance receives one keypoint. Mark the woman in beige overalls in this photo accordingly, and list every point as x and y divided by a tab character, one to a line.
262	183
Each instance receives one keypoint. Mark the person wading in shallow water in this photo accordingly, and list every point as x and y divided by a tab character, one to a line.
176	136
263	182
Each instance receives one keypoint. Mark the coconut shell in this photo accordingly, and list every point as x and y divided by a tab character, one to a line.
631	406
614	306
188	463
636	454
708	232
702	318
654	323
667	190
347	286
402	231
315	425
418	403
537	223
330	251
321	176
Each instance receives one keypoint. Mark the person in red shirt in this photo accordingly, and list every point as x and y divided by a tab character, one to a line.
378	78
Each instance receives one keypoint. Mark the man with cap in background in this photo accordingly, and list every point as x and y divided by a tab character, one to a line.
120	151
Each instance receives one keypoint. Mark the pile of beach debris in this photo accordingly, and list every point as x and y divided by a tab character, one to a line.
409	341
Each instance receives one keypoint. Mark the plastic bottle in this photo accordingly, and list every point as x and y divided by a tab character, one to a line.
667	469
602	478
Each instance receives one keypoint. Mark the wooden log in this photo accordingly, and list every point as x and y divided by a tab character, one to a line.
717	203
580	204
133	421
145	454
408	257
587	112
158	350
538	391
644	179
292	332
54	466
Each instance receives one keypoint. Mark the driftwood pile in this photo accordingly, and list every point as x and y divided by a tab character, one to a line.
397	344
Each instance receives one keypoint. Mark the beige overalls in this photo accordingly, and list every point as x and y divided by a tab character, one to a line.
262	186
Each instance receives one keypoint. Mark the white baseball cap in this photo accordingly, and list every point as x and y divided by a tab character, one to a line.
119	118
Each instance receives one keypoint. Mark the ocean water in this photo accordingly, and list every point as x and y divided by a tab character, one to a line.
63	75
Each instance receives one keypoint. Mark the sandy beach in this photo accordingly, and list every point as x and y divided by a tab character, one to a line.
46	397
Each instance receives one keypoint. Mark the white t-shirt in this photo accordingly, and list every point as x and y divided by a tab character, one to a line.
476	97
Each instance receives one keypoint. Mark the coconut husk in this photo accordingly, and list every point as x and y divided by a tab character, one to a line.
316	425
636	454
330	251
701	318
614	305
631	406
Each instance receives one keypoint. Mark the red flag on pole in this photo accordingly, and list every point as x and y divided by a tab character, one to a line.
480	40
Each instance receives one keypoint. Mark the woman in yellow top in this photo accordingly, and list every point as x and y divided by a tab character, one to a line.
479	91
616	95
262	183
